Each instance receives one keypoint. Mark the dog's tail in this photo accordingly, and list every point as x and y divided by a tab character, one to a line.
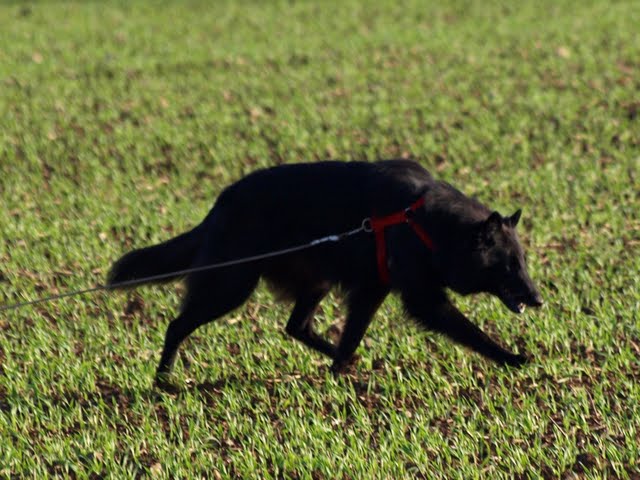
171	256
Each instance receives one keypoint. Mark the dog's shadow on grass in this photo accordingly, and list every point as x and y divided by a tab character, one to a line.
321	382
355	389
239	382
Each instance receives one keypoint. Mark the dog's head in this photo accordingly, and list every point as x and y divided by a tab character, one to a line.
495	263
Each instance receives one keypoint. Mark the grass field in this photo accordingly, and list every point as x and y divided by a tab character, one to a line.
119	125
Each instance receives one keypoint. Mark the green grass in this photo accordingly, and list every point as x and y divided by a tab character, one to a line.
120	123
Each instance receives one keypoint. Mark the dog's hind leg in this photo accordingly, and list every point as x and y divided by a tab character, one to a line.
209	296
362	305
300	324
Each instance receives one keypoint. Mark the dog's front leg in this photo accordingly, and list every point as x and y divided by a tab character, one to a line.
443	317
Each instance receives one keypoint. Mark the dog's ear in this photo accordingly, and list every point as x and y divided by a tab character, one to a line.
494	222
513	220
486	231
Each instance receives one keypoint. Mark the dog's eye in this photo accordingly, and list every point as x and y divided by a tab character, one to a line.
489	242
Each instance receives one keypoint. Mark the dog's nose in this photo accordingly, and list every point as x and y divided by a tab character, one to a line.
536	300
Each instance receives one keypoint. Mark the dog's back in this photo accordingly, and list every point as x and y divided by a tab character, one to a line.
324	194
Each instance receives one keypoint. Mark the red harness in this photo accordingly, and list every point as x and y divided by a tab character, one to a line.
378	224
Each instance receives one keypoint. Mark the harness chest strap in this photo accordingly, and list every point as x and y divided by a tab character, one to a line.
378	224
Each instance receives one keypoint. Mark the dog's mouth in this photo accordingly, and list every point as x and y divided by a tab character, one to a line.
512	304
518	303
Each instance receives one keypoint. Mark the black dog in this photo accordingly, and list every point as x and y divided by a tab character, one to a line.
421	237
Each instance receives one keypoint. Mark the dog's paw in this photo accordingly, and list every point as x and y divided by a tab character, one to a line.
168	384
344	366
516	360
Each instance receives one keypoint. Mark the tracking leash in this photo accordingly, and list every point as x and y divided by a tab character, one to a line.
364	227
374	224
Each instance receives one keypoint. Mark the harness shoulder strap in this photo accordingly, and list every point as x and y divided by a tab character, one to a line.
378	225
